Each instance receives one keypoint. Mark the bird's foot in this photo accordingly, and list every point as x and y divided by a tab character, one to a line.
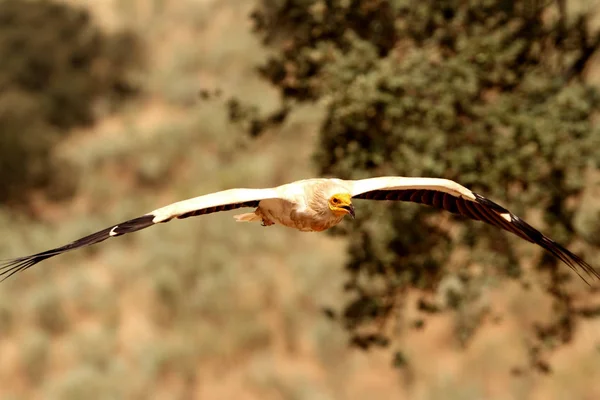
267	222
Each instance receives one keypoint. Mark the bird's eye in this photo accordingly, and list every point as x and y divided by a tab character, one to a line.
335	200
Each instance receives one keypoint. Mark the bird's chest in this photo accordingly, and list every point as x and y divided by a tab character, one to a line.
310	222
297	216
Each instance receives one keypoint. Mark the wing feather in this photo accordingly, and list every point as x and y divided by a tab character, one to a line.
450	196
399	183
214	202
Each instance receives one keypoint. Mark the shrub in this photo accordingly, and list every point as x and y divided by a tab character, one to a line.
55	67
488	93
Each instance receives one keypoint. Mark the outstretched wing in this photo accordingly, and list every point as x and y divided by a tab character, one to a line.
450	196
210	203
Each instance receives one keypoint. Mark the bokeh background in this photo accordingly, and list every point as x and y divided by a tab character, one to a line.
112	108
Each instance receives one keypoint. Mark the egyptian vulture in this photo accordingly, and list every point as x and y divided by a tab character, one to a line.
318	204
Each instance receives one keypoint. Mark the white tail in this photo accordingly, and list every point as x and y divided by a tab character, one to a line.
248	217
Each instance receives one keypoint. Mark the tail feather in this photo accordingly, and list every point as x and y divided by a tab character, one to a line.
248	217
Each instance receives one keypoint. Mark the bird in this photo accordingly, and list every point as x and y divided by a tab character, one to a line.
317	204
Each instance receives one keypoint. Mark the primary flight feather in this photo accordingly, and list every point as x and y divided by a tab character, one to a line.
318	204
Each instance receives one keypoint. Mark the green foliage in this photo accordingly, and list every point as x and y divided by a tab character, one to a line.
301	28
586	221
55	66
487	93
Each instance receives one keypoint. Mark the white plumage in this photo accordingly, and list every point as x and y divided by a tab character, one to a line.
318	204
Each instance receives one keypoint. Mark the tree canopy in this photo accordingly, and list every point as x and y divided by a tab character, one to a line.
490	93
55	64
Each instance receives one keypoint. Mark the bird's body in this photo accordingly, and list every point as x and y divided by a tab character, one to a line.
318	204
301	205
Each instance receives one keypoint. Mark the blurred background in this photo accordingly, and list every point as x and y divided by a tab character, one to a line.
112	108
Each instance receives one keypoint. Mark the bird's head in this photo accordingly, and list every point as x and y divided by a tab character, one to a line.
340	204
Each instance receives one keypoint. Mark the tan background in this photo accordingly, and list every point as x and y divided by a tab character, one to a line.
205	308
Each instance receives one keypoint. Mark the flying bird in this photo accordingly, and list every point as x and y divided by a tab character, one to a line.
314	205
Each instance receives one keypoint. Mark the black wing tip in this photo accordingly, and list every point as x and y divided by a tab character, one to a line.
484	201
572	260
132	225
10	267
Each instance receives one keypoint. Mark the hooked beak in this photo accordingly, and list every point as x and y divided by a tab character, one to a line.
350	209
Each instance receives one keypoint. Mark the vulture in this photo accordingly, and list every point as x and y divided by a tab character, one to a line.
314	205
